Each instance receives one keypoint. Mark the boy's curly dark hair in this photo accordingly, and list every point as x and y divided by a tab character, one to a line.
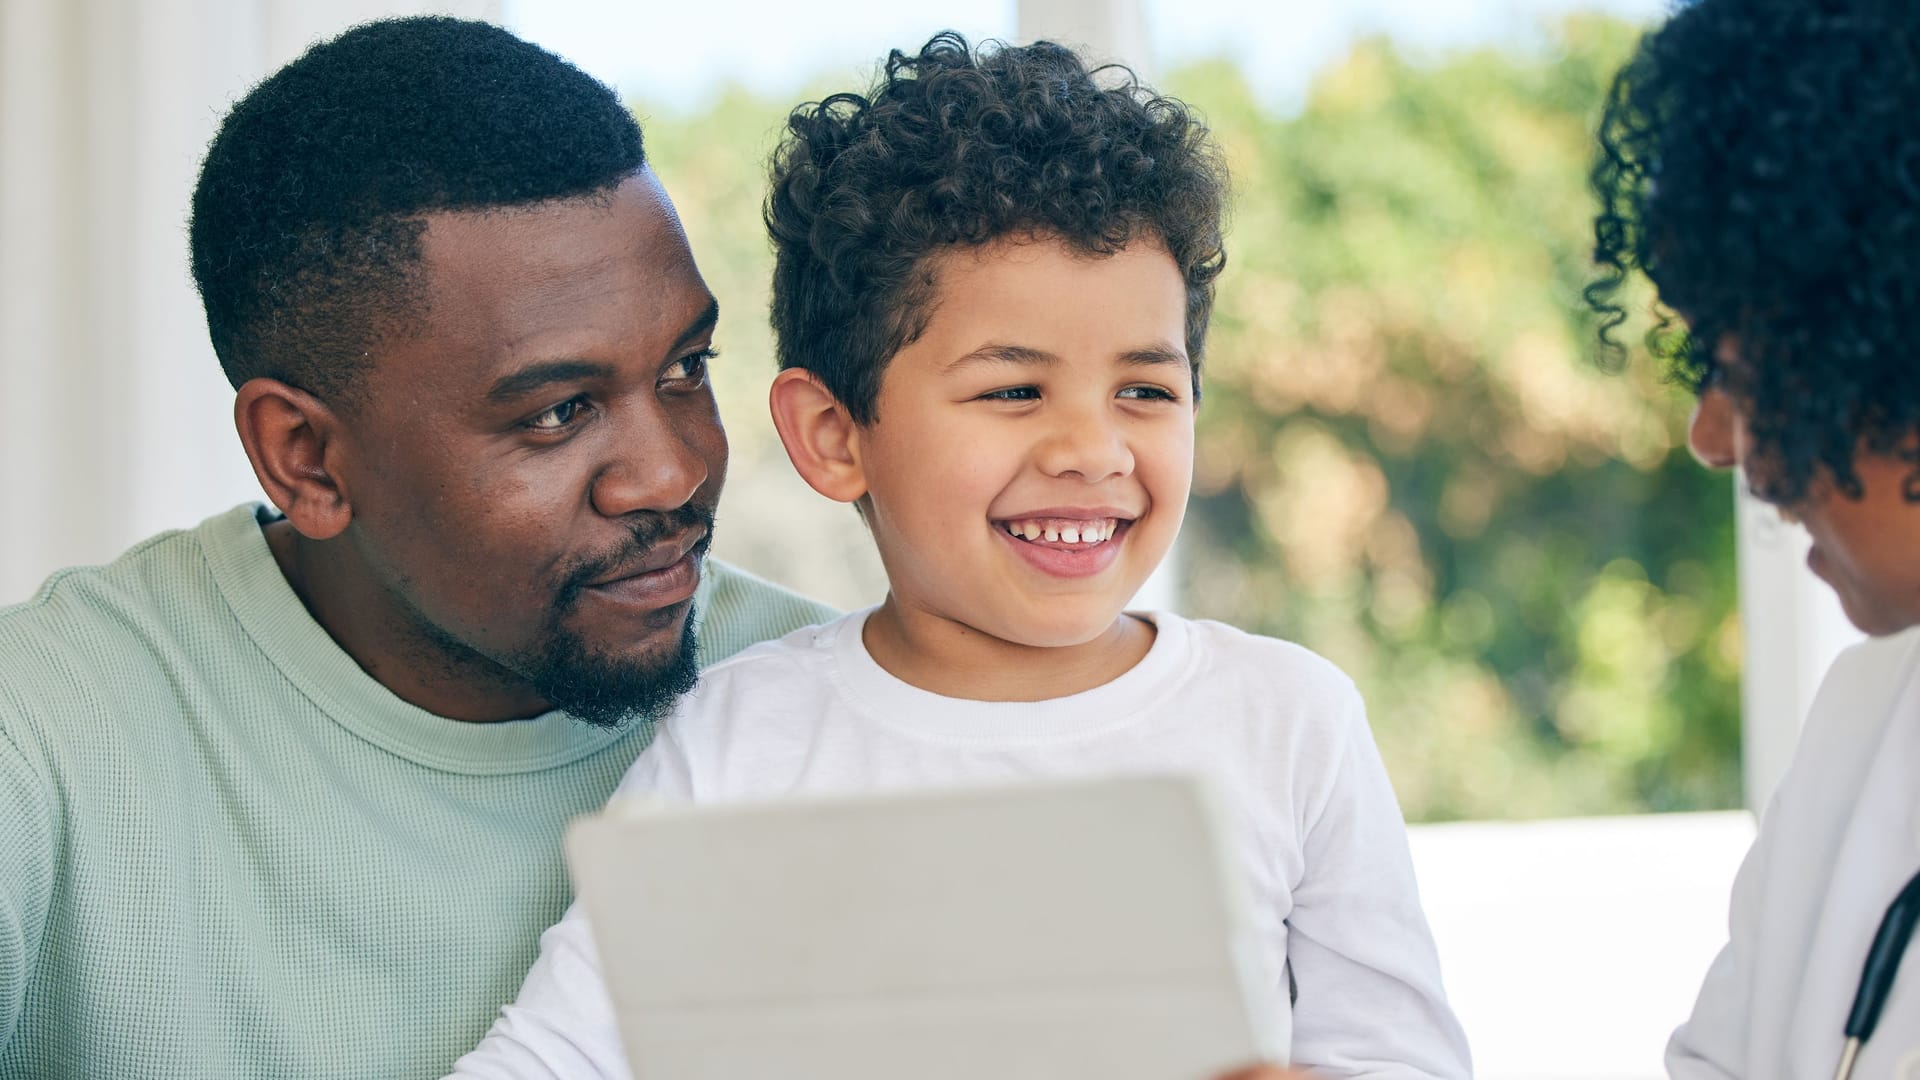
1760	163
306	222
954	147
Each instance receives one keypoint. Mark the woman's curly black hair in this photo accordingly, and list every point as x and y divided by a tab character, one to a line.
1760	163
954	147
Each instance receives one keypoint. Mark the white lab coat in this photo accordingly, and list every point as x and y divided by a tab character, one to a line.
1838	841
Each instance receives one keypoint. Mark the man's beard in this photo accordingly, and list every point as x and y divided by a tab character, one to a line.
608	689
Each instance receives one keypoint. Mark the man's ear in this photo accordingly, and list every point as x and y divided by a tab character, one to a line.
293	440
822	441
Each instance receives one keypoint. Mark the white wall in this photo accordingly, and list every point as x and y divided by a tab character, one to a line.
1572	949
114	417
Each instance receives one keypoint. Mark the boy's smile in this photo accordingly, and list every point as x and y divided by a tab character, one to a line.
1028	466
1068	543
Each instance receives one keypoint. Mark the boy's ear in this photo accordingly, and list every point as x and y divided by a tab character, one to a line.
293	440
822	441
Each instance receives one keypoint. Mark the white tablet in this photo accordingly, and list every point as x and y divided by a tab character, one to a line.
1086	929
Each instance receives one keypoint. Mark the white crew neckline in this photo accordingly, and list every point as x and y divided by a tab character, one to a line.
890	700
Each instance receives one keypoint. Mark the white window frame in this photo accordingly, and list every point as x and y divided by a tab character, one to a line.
1793	627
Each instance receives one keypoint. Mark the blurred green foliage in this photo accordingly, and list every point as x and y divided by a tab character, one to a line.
1408	458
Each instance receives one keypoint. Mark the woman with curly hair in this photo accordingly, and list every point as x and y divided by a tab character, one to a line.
1760	164
992	281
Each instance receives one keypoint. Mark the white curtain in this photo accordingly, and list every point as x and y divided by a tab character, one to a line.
1104	31
114	417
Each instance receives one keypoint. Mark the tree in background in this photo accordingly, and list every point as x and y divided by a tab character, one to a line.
1407	458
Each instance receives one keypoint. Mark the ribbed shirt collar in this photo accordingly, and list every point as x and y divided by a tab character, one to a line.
250	580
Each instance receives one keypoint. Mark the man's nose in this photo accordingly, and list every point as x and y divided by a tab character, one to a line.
1085	443
1710	433
652	466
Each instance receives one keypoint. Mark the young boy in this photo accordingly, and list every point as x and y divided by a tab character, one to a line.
992	288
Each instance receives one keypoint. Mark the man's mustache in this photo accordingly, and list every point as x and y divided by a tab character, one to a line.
646	531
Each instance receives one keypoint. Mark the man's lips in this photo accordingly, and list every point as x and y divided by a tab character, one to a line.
664	553
667	575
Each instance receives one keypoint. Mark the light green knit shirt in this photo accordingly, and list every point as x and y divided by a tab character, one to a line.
226	851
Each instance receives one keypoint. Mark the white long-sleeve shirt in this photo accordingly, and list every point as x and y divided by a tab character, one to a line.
1838	842
1280	731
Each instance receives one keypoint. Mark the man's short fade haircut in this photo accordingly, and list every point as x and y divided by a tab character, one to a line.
1760	163
307	219
955	147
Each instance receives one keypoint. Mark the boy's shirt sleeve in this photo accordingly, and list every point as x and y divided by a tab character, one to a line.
1369	1000
561	1026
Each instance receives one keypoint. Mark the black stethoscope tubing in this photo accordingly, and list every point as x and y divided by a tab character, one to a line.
1876	978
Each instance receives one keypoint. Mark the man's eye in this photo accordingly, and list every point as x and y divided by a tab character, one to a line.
560	417
1013	393
690	369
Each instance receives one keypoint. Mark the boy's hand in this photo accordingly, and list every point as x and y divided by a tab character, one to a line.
1266	1072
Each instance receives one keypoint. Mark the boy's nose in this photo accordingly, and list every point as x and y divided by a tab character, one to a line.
1088	447
1710	433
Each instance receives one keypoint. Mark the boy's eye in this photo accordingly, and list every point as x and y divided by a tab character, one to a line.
691	368
560	417
1149	393
1013	393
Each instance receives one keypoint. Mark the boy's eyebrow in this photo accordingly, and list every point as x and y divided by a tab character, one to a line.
996	353
1156	354
536	376
1159	353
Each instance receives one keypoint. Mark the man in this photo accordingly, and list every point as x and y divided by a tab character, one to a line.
282	795
1760	163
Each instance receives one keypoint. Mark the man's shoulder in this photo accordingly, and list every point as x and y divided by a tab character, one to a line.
739	609
89	631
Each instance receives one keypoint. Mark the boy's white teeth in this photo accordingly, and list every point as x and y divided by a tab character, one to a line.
1064	532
